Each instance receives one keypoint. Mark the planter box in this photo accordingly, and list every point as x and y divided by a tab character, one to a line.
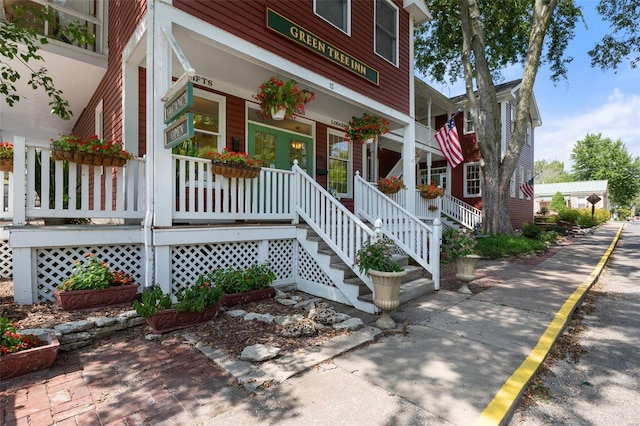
168	319
235	170
33	359
88	299
234	299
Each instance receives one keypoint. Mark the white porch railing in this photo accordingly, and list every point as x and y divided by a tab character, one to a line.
461	212
55	189
331	220
417	239
201	195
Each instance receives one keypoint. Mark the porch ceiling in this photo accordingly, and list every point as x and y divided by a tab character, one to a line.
239	73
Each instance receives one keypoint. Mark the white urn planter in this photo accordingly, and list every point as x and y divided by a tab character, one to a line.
465	271
386	294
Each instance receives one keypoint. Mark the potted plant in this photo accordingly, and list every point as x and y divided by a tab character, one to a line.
91	151
243	285
93	284
6	157
365	128
24	352
279	99
376	259
461	247
430	191
195	304
233	164
390	185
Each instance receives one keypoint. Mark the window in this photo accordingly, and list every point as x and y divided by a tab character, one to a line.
521	172
472	180
528	135
513	116
339	163
336	12
468	122
512	185
98	120
208	123
51	19
386	36
582	203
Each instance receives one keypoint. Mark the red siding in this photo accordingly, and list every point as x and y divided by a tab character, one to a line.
394	81
124	16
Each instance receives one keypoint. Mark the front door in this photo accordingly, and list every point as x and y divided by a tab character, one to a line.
279	148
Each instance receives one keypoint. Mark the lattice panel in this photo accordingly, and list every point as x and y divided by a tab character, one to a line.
281	258
189	261
309	270
6	259
56	264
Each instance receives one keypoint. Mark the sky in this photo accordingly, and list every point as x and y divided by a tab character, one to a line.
589	101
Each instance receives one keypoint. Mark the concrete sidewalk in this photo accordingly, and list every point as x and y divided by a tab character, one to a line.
461	359
465	359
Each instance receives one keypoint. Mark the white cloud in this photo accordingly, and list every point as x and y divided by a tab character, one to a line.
618	118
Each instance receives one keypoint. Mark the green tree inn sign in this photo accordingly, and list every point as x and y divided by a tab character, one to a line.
288	29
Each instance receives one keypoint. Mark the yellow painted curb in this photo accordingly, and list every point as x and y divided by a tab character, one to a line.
496	412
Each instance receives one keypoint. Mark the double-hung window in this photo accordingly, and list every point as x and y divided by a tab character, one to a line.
336	12
386	36
472	180
339	163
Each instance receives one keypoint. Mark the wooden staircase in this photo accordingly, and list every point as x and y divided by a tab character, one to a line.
354	291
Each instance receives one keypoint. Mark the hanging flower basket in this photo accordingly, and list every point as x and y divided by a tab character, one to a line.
430	191
279	99
366	127
91	151
6	164
390	185
235	170
6	157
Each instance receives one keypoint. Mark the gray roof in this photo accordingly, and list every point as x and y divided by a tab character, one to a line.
586	186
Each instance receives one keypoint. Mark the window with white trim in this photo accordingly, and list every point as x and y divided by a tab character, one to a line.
513	116
472	180
386	35
521	172
582	202
528	134
512	185
468	122
339	163
335	12
528	179
208	123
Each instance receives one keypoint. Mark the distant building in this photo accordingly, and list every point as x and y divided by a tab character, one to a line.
575	194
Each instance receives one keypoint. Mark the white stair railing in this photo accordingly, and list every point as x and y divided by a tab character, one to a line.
418	240
339	228
463	213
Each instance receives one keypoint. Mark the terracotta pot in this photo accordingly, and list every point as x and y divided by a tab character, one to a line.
88	299
168	319
33	359
386	294
235	170
234	299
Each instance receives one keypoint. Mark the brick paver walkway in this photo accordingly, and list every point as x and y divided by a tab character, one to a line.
122	382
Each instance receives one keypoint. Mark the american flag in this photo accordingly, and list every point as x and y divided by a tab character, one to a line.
527	188
449	143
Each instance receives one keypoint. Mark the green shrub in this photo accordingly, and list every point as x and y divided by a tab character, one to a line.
498	246
550	236
557	202
530	230
236	280
569	215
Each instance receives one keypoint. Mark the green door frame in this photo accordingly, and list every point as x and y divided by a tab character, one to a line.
283	146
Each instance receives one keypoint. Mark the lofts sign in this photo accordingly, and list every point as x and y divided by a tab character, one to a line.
292	31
